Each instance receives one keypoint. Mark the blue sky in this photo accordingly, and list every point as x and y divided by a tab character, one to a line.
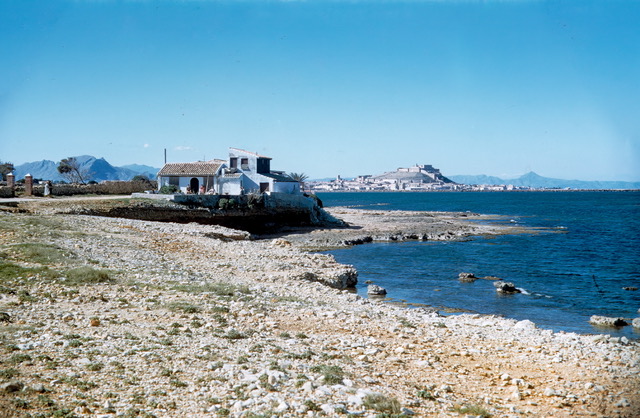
327	87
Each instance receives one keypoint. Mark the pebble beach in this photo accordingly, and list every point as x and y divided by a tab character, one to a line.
196	320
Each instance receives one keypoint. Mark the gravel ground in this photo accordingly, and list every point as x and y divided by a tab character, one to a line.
193	320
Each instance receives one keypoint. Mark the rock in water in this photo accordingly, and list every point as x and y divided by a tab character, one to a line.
605	321
467	277
374	289
636	323
506	287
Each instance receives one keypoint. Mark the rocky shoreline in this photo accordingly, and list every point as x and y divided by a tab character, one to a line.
363	226
198	320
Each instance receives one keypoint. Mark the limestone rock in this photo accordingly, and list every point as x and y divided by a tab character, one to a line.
375	290
38	388
605	321
506	287
636	323
549	392
10	387
467	277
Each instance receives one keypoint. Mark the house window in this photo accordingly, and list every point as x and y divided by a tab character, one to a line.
263	166
174	181
264	187
244	163
233	162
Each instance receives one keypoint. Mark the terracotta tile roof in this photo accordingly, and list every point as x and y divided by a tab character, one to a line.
200	168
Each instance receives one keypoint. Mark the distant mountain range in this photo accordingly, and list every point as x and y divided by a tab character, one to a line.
532	179
99	169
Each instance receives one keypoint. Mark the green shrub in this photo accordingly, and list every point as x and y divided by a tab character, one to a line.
109	187
24	296
475	410
21	403
10	271
425	394
75	343
88	275
169	189
82	385
255	200
233	334
333	375
183	306
19	358
218	288
178	383
382	403
41	253
9	373
311	405
226	204
95	367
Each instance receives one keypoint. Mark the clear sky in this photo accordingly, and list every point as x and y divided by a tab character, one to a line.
327	87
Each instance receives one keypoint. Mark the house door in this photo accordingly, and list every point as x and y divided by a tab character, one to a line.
264	187
194	185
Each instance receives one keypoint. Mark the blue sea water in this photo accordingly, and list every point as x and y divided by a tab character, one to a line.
587	250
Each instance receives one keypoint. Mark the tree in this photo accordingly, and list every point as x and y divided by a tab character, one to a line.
141	177
72	171
5	168
299	177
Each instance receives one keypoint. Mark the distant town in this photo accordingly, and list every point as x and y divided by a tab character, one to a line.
369	184
418	178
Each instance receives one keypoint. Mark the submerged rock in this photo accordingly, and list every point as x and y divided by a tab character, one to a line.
605	321
470	278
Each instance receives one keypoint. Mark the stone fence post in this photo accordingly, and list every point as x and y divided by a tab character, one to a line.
28	185
11	180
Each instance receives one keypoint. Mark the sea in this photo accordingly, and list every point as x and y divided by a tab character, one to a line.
584	249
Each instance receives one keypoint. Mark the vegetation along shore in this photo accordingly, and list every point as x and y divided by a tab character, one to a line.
108	316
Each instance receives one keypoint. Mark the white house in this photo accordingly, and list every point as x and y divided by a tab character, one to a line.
258	176
192	177
245	172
